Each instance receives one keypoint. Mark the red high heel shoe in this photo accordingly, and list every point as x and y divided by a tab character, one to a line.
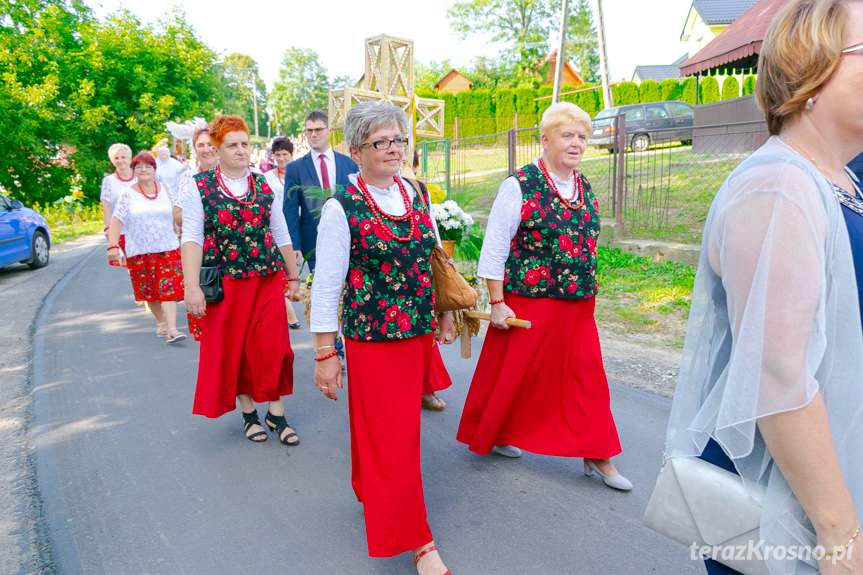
423	552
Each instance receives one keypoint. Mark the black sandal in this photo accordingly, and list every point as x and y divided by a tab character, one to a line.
252	419
279	424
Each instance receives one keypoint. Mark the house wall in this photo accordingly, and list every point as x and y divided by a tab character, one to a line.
455	85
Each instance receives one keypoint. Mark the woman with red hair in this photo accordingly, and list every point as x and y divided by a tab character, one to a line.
144	214
235	222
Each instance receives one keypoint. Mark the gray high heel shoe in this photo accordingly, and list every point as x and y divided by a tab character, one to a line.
614	481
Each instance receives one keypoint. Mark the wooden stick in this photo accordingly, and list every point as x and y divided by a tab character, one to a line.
511	321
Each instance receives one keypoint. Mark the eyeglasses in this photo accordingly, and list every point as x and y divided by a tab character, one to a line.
855	49
385	144
144	167
315	130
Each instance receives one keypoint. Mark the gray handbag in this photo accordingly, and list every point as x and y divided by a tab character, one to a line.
696	502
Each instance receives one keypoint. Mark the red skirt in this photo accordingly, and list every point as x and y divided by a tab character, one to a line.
542	389
385	386
436	377
157	277
245	347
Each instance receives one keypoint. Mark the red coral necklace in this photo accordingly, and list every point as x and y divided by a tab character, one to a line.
143	193
119	177
251	190
379	214
576	182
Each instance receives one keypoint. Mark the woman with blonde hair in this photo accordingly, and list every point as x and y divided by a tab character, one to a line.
544	389
770	384
116	183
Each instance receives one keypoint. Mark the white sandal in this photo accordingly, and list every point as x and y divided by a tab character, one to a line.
162	331
175	335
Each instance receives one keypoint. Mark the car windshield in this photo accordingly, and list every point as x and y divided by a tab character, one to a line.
607	113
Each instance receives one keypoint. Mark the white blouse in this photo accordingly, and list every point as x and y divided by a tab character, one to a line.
147	224
503	222
112	187
277	185
774	319
193	212
333	252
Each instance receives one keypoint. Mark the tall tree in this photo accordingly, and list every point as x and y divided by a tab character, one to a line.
241	75
523	25
302	86
582	50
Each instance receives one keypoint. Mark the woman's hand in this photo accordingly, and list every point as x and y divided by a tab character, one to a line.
328	376
445	329
115	255
293	292
196	305
499	313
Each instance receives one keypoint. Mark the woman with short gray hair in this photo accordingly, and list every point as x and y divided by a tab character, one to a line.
378	234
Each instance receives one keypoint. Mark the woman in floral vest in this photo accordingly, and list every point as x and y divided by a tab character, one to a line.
544	389
236	222
374	248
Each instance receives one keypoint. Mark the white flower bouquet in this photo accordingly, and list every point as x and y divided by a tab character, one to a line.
452	221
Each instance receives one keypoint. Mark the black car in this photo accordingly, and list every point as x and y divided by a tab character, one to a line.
645	124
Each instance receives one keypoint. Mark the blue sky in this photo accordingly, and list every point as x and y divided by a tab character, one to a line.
637	31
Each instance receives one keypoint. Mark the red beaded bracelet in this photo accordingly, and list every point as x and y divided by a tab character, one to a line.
293	279
106	228
328	356
112	247
492	302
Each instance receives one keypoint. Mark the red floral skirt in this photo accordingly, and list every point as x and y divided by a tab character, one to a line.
245	346
157	277
542	389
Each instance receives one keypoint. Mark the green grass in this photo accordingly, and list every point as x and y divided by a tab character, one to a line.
71	220
637	295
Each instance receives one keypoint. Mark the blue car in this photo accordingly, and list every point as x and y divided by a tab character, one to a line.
24	235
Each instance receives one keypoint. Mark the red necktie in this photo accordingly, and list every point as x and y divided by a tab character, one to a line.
325	177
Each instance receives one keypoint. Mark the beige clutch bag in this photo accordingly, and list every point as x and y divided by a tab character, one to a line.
697	502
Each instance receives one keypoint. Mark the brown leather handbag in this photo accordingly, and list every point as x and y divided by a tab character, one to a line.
451	290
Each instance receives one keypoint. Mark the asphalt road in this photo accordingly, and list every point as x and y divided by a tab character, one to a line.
132	483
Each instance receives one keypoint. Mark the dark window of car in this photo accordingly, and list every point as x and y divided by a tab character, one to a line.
5	205
633	114
607	113
680	109
656	111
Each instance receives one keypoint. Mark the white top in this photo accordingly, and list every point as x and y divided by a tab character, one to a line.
774	319
193	212
277	185
147	224
169	171
333	252
503	222
112	187
330	161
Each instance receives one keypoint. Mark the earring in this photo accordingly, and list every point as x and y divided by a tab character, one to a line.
810	102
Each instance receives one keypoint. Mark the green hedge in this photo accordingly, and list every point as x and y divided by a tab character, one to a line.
687	90
730	88
708	90
670	89
541	105
649	91
748	85
627	94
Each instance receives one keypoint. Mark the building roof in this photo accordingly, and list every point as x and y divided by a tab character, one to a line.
551	59
448	77
657	72
721	12
737	47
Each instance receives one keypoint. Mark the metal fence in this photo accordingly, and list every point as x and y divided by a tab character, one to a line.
661	193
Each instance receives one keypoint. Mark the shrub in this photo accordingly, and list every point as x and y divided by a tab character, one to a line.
504	102
628	94
541	105
524	100
588	100
730	88
670	89
687	90
748	85
708	90
648	91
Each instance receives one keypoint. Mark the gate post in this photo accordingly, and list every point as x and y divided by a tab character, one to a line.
619	171
510	148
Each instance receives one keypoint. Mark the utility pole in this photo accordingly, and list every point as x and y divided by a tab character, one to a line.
603	56
255	99
561	53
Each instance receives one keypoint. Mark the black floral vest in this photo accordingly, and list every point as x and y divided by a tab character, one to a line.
553	253
388	293
237	238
